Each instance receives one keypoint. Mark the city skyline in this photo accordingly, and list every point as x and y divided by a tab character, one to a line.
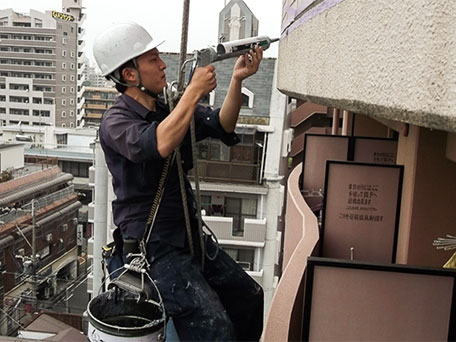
165	25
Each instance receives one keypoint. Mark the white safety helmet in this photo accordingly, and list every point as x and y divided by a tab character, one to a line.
121	43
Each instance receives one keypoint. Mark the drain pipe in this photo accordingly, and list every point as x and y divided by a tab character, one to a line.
100	215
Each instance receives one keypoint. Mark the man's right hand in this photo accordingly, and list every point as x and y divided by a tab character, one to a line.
203	80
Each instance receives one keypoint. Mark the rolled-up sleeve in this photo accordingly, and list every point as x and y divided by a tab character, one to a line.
135	139
207	125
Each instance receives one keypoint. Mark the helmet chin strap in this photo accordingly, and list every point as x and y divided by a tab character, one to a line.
140	85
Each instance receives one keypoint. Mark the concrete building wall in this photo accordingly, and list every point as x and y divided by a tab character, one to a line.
11	156
394	59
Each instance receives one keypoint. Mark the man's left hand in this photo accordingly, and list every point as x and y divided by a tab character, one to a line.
248	64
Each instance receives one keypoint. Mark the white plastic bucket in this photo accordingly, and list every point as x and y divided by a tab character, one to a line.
124	319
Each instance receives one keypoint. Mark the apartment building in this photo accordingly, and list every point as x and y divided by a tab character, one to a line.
41	66
97	100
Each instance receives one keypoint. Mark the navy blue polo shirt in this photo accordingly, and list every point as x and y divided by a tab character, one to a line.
129	141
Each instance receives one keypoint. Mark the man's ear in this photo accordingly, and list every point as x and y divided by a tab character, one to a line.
130	75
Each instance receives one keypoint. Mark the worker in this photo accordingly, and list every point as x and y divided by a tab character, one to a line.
219	302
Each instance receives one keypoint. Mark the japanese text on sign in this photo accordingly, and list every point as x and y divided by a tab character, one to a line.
62	16
361	197
384	157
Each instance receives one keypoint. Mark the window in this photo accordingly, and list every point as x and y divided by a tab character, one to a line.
240	209
219	151
71	101
64	53
19	111
18	86
72	66
72	113
72	78
246	151
206	204
63	114
62	139
63	66
19	99
247	98
209	149
63	90
245	257
72	90
63	102
72	54
242	154
45	113
63	125
71	124
77	169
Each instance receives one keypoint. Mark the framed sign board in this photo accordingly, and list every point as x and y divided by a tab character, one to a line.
352	301
361	211
375	150
319	148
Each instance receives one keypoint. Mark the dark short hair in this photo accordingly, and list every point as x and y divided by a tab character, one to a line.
120	87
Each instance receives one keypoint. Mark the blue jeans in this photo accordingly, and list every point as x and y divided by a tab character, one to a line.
220	303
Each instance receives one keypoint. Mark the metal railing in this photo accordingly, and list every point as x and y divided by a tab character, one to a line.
49	199
41	202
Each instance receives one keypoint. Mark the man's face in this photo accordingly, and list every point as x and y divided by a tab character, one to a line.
152	71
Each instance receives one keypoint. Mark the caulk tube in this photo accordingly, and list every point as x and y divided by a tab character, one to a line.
239	47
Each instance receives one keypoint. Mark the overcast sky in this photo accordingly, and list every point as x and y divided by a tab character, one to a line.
162	18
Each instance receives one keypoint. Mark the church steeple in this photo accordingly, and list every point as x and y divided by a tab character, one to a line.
236	21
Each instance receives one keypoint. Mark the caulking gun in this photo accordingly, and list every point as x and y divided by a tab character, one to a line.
231	49
213	54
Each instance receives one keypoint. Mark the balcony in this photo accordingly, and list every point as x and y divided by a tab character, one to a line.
91	206
213	171
90	243
92	176
89	105
254	233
